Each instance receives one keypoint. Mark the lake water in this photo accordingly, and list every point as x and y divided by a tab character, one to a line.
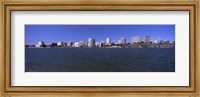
99	60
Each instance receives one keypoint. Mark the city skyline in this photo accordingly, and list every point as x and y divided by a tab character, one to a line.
76	33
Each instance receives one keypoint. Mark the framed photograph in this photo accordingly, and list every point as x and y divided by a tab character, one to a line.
100	48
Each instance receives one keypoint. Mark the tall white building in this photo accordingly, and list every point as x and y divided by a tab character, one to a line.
115	42
136	39
97	44
81	43
40	44
123	40
76	44
166	42
155	41
69	44
147	39
60	44
119	41
91	42
102	43
108	41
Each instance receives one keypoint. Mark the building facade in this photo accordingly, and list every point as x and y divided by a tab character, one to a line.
91	43
69	44
136	39
119	41
76	44
155	42
40	44
123	40
81	43
147	39
60	44
108	41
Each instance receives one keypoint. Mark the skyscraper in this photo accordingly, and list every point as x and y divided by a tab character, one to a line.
155	41
69	44
147	39
123	40
60	44
114	42
102	43
119	41
136	39
91	42
108	41
81	44
40	44
76	44
166	42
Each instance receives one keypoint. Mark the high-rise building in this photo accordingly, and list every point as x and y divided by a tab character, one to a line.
102	44
123	40
108	41
40	44
166	42
161	41
69	44
65	44
81	44
155	41
76	44
136	39
119	41
147	39
53	44
97	44
60	44
114	42
86	43
91	42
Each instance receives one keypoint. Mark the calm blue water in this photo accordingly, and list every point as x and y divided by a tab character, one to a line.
100	60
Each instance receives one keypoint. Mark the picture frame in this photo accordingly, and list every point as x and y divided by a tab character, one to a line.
119	5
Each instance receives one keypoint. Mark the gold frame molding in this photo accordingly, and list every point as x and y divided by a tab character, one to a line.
118	5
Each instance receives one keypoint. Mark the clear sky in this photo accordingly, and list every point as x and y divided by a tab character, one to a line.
74	33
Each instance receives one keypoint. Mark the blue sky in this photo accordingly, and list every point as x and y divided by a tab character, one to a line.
65	33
